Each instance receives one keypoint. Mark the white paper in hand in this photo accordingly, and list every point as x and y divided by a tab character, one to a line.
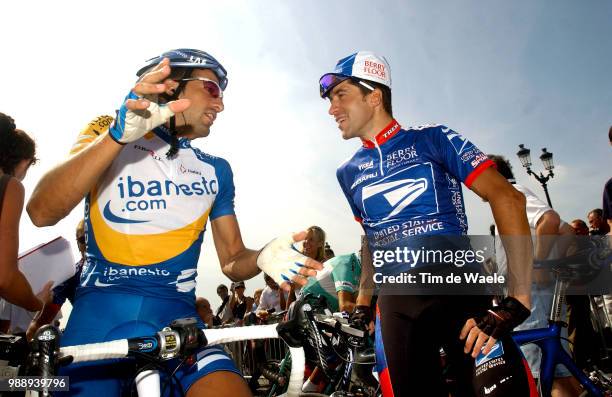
49	261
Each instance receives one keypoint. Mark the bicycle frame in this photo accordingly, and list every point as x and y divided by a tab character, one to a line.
549	341
553	353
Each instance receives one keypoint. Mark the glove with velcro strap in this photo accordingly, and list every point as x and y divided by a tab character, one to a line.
501	319
131	125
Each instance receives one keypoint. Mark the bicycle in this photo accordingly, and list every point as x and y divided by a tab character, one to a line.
584	265
341	351
42	357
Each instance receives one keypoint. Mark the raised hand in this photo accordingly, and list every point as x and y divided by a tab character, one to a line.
139	115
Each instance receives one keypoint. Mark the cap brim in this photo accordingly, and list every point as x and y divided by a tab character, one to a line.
328	81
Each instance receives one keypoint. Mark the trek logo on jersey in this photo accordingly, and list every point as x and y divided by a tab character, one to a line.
496	351
392	195
150	196
458	141
387	134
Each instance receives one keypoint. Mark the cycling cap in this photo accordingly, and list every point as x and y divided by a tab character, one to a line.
363	65
190	58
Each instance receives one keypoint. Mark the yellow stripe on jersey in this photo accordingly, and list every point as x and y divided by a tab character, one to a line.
141	249
89	134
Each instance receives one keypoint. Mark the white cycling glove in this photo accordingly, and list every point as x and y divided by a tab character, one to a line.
280	260
131	125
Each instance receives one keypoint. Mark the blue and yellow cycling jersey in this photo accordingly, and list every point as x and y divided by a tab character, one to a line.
146	216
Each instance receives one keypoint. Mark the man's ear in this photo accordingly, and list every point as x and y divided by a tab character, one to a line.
375	97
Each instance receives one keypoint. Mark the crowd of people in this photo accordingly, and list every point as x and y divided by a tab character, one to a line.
139	257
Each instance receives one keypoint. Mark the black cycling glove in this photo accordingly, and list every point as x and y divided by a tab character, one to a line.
500	320
361	317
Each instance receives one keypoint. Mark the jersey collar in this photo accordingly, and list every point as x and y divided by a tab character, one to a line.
383	136
164	133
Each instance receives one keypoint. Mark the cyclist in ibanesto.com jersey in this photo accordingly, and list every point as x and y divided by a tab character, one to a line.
404	186
149	196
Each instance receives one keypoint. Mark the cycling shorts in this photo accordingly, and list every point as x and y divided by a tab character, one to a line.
411	329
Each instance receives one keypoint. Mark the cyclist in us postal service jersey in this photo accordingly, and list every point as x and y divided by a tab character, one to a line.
407	182
404	187
149	197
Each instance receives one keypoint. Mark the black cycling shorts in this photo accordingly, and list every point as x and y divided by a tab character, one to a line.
412	329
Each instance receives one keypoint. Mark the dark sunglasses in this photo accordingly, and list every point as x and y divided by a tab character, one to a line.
209	85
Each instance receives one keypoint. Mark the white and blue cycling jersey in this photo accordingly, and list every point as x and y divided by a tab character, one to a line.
146	216
406	184
144	223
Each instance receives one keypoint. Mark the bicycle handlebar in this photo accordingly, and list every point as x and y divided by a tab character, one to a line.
168	343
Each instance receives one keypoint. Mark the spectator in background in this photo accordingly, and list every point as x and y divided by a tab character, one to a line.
314	247
547	229
580	227
239	303
256	298
204	311
223	314
17	154
272	297
314	244
598	226
579	326
65	290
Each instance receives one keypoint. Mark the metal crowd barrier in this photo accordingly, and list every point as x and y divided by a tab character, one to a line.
244	355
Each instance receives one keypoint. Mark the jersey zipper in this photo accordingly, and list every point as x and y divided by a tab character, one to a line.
382	173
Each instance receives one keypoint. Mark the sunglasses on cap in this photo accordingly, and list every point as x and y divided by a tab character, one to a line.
330	80
209	85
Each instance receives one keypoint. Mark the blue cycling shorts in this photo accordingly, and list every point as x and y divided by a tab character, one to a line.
101	316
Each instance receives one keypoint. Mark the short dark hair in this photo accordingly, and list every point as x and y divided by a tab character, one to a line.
503	165
221	286
386	93
596	211
15	145
580	222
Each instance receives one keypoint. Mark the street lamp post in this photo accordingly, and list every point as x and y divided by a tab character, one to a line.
547	158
